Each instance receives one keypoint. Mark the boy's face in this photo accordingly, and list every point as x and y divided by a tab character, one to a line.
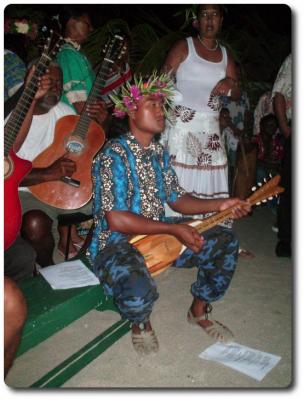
149	116
224	118
269	128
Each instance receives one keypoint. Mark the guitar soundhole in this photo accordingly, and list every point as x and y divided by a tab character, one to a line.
8	167
74	146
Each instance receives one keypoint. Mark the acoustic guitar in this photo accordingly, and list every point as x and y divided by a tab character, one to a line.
79	138
14	167
159	251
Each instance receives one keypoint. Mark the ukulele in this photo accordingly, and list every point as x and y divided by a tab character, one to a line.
16	168
160	250
79	138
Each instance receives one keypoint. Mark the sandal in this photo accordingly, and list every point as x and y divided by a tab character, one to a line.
216	331
245	253
145	342
79	245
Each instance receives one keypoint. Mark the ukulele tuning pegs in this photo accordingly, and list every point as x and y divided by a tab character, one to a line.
270	198
258	203
265	180
253	188
264	201
259	184
270	175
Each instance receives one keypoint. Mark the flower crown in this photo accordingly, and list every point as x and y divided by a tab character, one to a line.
17	26
131	93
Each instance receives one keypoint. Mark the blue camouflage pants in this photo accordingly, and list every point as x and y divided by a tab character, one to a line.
124	275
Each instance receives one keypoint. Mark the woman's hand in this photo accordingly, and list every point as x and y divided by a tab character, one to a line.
224	87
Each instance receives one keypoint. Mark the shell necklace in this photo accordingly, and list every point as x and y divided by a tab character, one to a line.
214	48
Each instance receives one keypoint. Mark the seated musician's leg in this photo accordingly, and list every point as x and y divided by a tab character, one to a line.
19	260
124	275
15	312
216	265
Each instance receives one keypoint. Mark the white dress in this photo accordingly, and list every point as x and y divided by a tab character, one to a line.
193	137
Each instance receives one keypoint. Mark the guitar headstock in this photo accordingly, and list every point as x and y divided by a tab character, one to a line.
51	45
266	191
114	49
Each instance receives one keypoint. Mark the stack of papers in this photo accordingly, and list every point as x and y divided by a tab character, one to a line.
251	362
70	274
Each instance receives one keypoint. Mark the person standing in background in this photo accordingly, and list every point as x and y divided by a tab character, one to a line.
282	104
204	71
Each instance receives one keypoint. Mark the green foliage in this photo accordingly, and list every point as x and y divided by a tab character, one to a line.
146	58
259	49
98	39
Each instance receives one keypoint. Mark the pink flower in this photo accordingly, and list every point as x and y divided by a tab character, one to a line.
118	113
127	101
158	94
160	84
135	92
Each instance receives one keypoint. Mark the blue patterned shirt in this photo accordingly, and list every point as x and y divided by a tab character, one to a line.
127	177
14	73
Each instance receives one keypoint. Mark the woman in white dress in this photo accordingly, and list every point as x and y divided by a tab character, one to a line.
203	71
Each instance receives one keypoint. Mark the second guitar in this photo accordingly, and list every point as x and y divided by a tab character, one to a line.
78	138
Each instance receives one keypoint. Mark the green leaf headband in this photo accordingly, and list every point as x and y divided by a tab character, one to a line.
131	93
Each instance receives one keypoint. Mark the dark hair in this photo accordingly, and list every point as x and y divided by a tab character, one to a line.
68	12
200	6
16	42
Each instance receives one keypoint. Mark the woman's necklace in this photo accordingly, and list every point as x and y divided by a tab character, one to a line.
72	43
215	48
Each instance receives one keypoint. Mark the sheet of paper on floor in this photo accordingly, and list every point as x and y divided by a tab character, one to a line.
67	275
251	362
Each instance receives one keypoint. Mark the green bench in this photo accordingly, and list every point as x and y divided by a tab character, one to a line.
50	310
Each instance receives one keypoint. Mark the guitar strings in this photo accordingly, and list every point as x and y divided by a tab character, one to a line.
16	119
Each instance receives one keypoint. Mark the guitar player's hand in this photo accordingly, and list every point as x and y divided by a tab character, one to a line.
63	166
44	83
188	236
97	111
241	207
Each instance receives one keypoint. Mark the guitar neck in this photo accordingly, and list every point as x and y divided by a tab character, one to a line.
18	115
213	220
95	94
217	218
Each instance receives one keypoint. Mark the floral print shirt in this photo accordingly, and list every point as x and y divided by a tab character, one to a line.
283	85
127	177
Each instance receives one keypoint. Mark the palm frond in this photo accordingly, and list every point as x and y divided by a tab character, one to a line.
100	36
156	54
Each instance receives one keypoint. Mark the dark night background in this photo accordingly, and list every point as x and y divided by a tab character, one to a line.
276	16
259	35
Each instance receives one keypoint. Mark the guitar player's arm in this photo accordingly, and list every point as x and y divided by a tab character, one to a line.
133	224
54	172
190	205
97	111
44	84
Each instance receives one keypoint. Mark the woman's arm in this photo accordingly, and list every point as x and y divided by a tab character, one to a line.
175	57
